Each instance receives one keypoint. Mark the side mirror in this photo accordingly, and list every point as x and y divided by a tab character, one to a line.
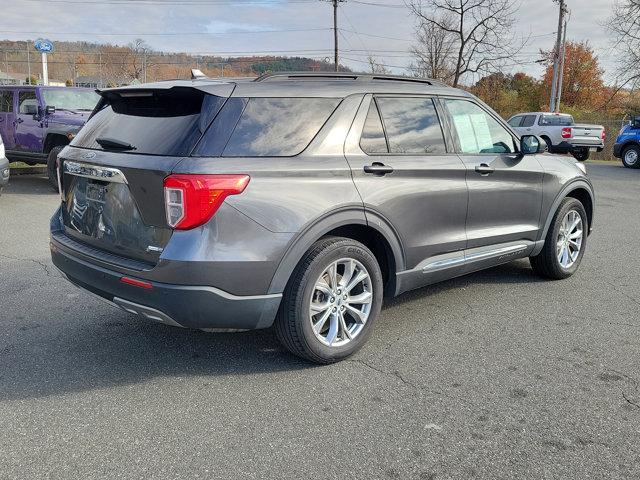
530	145
49	109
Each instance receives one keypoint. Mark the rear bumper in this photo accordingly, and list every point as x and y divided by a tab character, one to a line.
4	171
179	305
577	144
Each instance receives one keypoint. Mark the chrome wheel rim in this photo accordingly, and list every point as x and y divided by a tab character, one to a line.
341	302
631	157
569	241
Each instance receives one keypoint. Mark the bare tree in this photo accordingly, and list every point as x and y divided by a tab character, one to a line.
377	67
469	36
434	52
625	25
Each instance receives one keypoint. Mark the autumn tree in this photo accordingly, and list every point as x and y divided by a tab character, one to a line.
475	36
582	86
509	94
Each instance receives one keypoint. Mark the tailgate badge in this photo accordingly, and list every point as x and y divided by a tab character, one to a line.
151	248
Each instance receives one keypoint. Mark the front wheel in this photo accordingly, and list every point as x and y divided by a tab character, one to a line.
51	167
331	302
565	243
582	155
631	156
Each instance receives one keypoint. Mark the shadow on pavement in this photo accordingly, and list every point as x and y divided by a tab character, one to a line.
28	185
105	347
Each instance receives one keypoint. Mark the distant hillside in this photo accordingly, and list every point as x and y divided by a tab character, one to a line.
117	64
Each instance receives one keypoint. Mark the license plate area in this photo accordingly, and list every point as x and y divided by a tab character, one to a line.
104	215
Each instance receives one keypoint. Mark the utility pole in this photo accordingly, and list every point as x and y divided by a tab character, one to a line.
28	64
564	55
336	58
556	55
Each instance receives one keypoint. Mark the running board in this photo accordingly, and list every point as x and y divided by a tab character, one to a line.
450	265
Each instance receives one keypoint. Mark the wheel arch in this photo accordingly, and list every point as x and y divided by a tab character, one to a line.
53	140
579	189
349	223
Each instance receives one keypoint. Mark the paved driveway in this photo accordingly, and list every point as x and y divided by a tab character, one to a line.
494	375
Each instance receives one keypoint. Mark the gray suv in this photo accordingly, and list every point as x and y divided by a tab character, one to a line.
299	201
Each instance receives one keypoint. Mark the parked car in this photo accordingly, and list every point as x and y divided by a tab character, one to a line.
627	146
561	133
4	167
36	122
301	200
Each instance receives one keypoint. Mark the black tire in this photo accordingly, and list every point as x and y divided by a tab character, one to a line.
546	263
626	160
51	167
582	154
293	324
549	144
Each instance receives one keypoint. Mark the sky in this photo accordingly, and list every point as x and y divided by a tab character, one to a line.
381	28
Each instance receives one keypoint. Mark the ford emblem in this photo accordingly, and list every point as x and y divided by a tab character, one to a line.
89	155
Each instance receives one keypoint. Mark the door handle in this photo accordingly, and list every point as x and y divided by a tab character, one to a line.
378	169
484	169
19	120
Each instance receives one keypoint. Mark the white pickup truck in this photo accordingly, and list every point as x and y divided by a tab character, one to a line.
561	133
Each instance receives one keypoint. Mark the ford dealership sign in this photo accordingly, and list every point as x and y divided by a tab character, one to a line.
44	46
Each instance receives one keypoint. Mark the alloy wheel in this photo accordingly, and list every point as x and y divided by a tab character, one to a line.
569	240
341	302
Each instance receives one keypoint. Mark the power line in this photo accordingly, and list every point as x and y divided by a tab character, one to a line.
165	34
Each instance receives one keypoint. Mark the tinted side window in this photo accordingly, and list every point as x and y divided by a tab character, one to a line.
278	127
515	122
477	131
373	140
217	136
412	125
24	99
6	102
528	121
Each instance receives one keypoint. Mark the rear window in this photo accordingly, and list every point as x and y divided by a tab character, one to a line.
278	127
159	122
556	120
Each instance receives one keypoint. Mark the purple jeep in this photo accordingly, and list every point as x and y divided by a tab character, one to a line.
37	122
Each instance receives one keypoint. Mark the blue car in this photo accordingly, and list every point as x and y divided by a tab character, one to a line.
627	146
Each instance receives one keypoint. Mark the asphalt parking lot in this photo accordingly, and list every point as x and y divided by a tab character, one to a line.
494	375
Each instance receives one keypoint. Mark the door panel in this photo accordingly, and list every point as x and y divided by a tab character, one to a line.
505	188
28	133
423	195
7	118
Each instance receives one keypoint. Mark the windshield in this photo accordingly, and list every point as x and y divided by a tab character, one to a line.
70	99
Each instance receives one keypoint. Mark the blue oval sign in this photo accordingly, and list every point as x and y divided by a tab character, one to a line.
44	45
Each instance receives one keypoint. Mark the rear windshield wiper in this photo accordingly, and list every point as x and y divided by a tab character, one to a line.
113	144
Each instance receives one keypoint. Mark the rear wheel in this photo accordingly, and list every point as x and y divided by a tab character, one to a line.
565	243
51	167
631	156
582	154
331	302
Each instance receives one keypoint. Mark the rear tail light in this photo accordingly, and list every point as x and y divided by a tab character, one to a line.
566	132
191	200
604	134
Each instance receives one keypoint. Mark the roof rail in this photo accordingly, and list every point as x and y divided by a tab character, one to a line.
367	77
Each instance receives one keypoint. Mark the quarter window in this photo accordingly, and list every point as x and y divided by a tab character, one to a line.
373	140
477	131
412	125
6	102
278	127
